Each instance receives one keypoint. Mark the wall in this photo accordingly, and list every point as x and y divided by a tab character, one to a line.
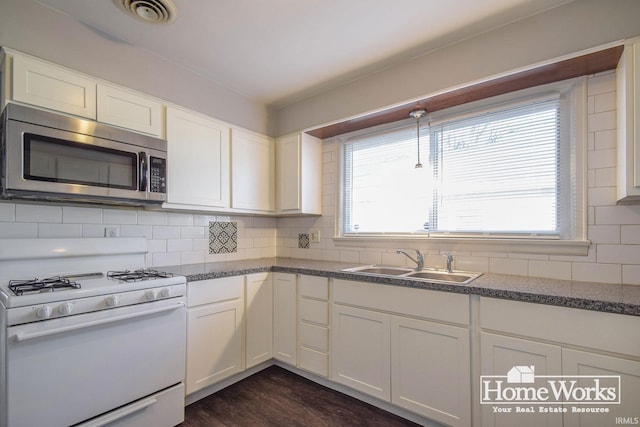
174	238
579	25
614	231
35	29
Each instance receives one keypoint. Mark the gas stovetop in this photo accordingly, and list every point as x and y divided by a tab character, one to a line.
33	291
50	284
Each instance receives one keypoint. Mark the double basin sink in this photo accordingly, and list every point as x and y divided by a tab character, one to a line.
437	276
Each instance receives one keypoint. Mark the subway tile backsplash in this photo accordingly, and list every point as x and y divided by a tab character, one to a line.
173	237
613	257
184	238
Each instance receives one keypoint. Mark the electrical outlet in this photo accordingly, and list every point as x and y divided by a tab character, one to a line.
314	236
111	232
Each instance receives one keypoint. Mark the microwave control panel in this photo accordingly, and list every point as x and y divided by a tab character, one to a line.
157	175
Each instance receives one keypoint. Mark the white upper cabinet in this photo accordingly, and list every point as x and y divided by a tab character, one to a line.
129	110
252	171
628	92
43	84
49	86
198	159
299	174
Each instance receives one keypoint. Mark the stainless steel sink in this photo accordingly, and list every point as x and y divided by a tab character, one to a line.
383	270
439	276
457	277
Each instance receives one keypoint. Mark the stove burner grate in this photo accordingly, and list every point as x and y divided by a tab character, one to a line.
138	275
50	284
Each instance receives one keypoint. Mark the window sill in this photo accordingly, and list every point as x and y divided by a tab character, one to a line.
472	244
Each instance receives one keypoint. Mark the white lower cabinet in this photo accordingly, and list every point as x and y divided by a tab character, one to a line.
582	363
361	350
313	324
430	370
259	319
583	349
215	331
499	355
284	317
417	364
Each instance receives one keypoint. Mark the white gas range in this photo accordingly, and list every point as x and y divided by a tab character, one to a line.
88	338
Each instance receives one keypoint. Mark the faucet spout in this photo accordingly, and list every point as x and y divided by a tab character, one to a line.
419	260
449	261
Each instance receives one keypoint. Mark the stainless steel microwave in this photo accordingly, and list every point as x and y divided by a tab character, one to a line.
50	156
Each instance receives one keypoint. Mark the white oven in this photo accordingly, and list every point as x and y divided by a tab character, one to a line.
92	349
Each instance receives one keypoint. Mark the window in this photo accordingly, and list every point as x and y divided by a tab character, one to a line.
505	168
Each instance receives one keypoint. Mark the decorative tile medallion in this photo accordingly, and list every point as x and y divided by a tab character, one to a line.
303	241
223	237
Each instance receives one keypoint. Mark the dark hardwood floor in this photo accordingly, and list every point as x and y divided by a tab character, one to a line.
276	397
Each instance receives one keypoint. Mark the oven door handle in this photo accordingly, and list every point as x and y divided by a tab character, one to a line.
22	336
120	413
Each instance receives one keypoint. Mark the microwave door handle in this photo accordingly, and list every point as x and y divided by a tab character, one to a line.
142	171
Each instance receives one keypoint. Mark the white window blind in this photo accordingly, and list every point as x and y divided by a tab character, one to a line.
498	172
490	172
383	191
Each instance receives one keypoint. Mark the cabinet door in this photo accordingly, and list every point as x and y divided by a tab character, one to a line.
604	369
56	88
259	318
252	171
197	161
628	123
430	370
299	174
214	343
284	317
360	350
500	354
129	110
288	167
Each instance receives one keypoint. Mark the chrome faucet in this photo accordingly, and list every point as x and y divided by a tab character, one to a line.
449	261
419	258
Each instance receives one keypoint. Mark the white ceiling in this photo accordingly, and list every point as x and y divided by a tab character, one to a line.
278	51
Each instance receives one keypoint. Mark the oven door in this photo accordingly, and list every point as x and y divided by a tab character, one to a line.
64	371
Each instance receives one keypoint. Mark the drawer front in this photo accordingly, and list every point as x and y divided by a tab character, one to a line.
424	303
314	287
586	328
316	337
314	311
313	361
214	290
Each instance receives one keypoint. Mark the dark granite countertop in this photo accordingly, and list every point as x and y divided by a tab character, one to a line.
611	298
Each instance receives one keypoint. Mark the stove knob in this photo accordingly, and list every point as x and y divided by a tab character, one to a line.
165	293
113	301
151	294
44	312
65	308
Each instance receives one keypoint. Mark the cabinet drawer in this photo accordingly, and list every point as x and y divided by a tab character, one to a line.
214	290
314	287
314	311
314	361
598	330
435	305
314	336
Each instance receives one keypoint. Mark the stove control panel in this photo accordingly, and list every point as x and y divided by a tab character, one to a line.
52	310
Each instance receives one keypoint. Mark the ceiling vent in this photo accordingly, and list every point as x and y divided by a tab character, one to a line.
151	11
